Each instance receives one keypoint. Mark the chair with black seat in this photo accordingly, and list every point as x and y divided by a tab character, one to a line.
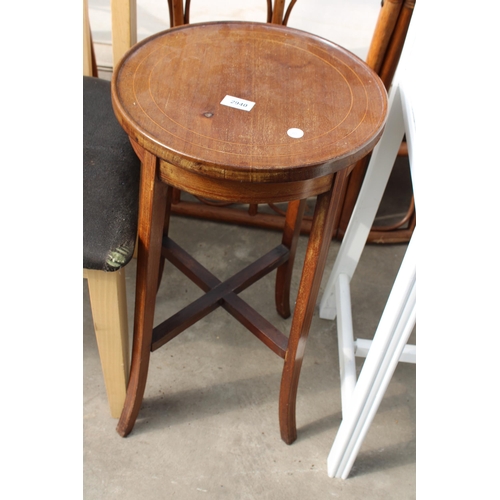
111	173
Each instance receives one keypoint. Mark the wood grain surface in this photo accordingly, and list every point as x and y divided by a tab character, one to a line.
167	95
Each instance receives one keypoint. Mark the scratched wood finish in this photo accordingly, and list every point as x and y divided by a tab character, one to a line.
167	95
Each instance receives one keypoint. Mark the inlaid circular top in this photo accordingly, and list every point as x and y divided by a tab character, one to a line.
249	101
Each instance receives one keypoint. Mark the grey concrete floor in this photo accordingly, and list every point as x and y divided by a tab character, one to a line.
208	427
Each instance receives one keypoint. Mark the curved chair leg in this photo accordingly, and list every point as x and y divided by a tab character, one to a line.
327	206
108	302
151	219
291	233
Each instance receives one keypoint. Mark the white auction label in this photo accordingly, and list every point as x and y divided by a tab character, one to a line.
235	102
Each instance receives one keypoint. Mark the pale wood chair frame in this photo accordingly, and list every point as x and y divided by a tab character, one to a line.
108	298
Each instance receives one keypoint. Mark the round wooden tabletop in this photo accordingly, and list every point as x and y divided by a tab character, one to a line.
249	101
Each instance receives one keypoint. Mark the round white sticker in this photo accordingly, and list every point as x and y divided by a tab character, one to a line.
295	133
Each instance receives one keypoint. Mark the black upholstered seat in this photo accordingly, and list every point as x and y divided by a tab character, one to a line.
111	173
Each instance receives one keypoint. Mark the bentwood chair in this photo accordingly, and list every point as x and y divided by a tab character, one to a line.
361	396
110	209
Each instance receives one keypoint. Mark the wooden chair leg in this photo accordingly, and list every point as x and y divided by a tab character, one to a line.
151	219
291	233
327	207
108	302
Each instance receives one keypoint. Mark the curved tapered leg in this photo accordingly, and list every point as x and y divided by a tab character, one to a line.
150	232
291	233
327	208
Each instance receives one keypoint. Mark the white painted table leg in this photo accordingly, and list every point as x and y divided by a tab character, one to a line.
395	327
347	357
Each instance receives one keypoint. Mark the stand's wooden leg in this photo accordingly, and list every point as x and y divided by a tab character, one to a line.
291	233
327	207
171	194
151	220
108	302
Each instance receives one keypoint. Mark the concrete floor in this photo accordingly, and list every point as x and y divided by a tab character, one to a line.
208	427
